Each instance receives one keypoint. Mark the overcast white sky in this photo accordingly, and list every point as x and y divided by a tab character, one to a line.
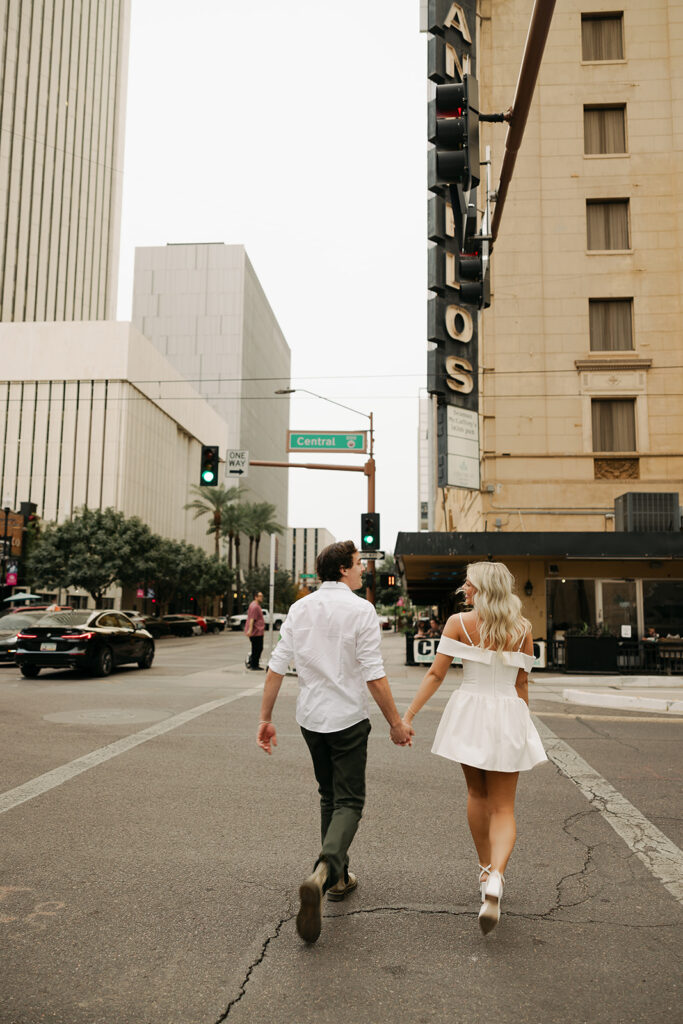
299	130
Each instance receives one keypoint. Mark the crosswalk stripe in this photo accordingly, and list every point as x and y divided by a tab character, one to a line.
43	783
660	856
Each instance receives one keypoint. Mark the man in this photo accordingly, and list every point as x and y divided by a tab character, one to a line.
255	627
333	638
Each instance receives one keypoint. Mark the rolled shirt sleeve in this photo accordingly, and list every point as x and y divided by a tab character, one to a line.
369	646
283	654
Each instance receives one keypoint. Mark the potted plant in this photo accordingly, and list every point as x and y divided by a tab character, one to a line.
591	649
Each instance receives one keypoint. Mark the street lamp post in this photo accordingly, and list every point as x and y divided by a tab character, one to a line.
368	468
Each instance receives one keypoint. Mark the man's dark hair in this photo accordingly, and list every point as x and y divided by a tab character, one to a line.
334	558
256	593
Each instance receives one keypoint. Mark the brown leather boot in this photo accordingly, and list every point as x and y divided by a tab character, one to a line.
309	918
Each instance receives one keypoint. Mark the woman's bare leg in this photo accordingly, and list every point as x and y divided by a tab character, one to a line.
500	789
478	815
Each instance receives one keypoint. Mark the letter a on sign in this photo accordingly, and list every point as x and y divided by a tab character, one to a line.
456	19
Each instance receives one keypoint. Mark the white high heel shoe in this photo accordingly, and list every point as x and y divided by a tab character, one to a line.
489	915
483	876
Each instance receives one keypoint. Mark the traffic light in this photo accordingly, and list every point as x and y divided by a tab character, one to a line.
208	476
387	579
369	531
454	130
475	287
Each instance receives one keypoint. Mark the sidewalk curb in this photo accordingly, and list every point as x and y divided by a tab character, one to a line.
625	701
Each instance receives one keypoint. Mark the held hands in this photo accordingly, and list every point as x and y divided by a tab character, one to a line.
402	734
265	736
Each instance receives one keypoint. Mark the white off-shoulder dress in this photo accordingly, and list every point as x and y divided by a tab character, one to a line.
485	724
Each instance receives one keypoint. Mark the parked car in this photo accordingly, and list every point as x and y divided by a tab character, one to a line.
183	625
385	621
238	621
215	623
10	626
156	626
137	618
37	608
94	641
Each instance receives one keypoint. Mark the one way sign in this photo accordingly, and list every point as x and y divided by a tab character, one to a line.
237	463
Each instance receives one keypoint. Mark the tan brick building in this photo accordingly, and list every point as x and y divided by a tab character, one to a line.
581	352
582	349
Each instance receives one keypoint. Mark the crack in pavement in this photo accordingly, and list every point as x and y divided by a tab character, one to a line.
546	917
606	736
252	966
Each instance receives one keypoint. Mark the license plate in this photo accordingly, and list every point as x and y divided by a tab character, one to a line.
48	647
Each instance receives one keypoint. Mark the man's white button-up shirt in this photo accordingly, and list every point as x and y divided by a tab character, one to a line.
332	637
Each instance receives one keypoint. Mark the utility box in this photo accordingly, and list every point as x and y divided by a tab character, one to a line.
647	512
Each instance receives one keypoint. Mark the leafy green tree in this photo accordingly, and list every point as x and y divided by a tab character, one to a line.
214	503
259	579
216	579
95	550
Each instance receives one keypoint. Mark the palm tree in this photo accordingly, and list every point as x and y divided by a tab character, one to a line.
235	520
213	502
263	521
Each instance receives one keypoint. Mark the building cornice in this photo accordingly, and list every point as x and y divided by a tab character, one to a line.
611	363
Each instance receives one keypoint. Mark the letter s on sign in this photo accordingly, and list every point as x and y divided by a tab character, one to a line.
459	374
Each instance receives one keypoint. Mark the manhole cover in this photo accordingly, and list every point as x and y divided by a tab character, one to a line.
107	716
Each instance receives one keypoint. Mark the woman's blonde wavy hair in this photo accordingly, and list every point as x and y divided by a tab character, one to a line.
498	608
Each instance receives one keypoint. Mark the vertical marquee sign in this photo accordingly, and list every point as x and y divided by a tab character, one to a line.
452	373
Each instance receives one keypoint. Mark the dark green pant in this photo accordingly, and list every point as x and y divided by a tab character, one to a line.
339	760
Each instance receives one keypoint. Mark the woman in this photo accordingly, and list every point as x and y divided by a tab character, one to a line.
486	725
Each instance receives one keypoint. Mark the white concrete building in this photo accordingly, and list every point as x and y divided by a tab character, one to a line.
302	545
203	307
63	71
91	414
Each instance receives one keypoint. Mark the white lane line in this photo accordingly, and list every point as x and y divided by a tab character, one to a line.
659	855
43	783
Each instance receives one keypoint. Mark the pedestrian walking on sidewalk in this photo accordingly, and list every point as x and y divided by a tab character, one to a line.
486	725
255	627
332	636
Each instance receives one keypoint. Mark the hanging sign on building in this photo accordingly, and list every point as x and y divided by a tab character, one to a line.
452	326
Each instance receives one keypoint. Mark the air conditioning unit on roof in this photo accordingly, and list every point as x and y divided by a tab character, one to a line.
647	512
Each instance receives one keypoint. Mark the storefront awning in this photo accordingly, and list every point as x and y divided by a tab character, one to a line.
432	564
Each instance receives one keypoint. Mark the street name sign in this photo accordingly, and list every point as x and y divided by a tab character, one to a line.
327	441
237	462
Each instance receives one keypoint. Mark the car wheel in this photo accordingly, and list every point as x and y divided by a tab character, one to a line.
147	658
277	624
29	671
104	662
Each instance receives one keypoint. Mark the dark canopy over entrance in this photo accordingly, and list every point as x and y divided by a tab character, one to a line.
433	564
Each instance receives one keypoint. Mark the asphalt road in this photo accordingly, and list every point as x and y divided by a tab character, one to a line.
155	882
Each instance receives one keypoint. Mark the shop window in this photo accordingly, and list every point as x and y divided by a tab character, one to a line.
570	605
607	224
619	606
663	607
611	324
614	424
602	36
604	130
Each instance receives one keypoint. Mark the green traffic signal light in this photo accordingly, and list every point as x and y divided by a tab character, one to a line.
208	472
368	539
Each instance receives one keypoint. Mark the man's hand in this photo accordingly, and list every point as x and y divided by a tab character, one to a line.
402	734
265	736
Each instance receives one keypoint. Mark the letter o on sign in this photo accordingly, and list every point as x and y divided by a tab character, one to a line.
459	323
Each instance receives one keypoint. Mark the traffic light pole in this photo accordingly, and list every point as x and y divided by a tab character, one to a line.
368	469
539	26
